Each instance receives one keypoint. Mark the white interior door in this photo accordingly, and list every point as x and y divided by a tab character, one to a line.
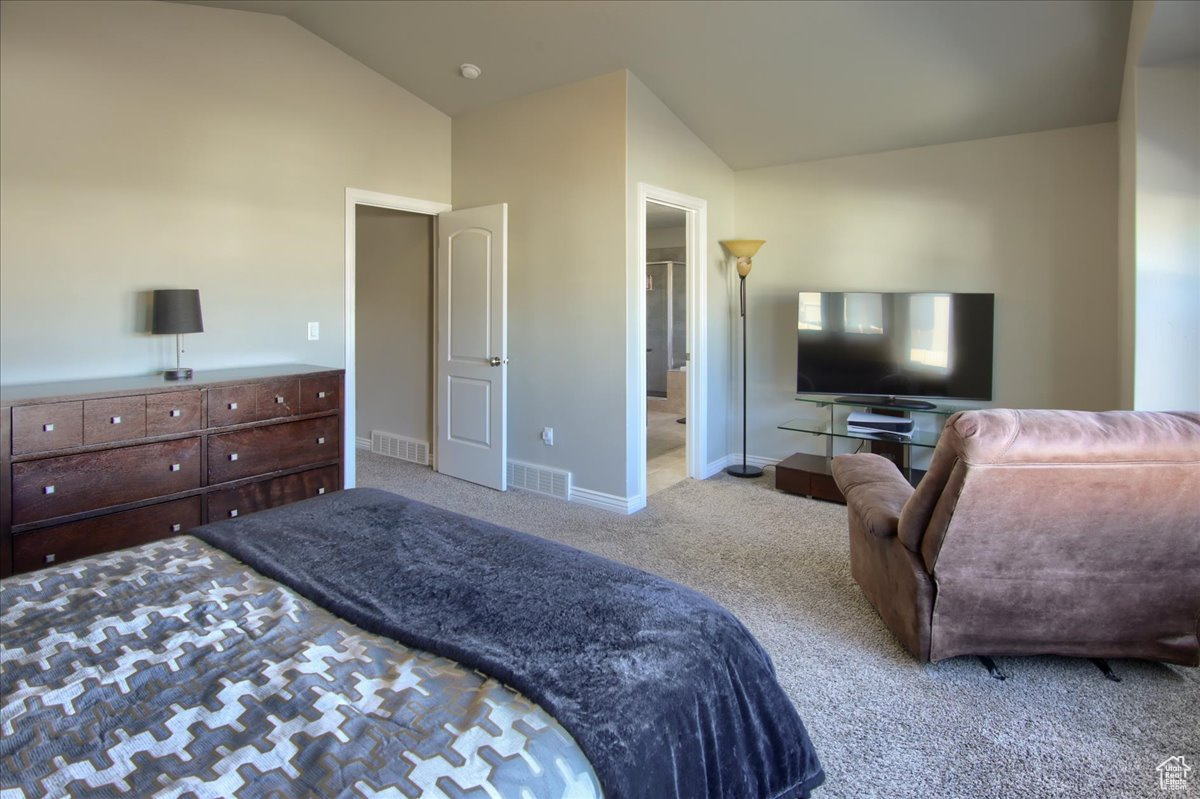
472	371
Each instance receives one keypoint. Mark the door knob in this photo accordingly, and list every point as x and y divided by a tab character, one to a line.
498	361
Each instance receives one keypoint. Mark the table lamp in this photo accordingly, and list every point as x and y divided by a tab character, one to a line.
177	311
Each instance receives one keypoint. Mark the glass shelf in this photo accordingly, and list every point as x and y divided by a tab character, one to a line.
937	410
838	429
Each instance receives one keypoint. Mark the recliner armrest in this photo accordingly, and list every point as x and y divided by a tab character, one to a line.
875	489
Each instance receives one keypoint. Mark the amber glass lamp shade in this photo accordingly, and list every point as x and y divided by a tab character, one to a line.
743	250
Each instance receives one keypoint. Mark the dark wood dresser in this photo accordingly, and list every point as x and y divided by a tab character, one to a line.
96	465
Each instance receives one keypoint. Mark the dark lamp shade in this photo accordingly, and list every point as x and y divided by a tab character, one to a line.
177	311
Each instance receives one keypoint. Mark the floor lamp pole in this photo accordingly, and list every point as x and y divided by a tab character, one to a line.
744	470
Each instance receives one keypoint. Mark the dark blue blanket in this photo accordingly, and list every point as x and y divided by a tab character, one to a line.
664	690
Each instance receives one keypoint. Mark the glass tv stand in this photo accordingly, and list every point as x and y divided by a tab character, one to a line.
812	475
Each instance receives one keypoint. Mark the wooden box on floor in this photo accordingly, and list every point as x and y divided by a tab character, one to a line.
807	475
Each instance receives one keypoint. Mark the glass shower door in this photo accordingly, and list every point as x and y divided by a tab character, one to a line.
657	329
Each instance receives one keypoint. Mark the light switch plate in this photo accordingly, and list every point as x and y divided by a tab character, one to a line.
314	331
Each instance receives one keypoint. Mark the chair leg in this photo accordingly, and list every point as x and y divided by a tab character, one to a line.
1102	664
992	668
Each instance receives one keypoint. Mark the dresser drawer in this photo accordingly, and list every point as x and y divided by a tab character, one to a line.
234	502
278	398
173	412
38	548
232	405
322	393
51	487
41	428
261	450
116	419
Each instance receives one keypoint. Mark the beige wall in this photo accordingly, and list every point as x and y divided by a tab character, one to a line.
1159	236
558	159
393	322
1030	218
663	152
1139	22
158	145
151	145
1167	344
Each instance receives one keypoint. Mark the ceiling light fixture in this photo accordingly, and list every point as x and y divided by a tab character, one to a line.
470	71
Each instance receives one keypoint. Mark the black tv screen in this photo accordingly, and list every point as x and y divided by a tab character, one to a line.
915	345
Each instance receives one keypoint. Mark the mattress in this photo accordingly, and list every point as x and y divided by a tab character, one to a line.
172	669
365	644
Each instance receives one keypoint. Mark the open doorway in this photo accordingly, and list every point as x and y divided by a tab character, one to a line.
357	199
394	331
666	346
655	200
457	396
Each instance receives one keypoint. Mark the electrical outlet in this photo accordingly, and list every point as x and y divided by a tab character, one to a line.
548	436
314	331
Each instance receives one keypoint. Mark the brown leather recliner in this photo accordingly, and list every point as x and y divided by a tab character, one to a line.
1037	532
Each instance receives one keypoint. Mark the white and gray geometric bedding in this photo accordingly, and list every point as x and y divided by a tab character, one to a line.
173	670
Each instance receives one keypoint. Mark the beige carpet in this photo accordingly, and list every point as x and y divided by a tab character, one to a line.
883	725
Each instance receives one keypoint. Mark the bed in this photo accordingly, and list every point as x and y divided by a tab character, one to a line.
365	644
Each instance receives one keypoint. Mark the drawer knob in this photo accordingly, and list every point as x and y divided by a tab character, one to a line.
233	406
116	420
233	513
48	490
49	428
50	558
320	395
233	456
320	491
278	400
175	467
320	439
175	528
175	412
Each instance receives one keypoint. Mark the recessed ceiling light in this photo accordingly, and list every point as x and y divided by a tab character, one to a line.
470	71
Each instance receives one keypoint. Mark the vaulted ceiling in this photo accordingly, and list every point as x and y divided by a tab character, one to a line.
761	83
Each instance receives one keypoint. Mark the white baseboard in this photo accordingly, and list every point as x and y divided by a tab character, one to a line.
543	475
714	468
719	465
755	460
362	443
628	505
612	502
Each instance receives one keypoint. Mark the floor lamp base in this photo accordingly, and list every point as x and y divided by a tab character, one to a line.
741	470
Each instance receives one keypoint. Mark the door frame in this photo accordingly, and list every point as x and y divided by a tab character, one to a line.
697	343
356	197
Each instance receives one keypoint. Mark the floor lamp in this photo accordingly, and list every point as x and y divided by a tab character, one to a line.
743	250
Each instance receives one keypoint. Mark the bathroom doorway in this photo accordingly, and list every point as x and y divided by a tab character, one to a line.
666	346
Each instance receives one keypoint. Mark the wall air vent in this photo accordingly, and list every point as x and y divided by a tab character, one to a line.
402	447
541	479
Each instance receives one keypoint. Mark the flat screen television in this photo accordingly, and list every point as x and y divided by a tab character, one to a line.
886	347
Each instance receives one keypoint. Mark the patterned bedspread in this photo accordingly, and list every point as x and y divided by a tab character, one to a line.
173	670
